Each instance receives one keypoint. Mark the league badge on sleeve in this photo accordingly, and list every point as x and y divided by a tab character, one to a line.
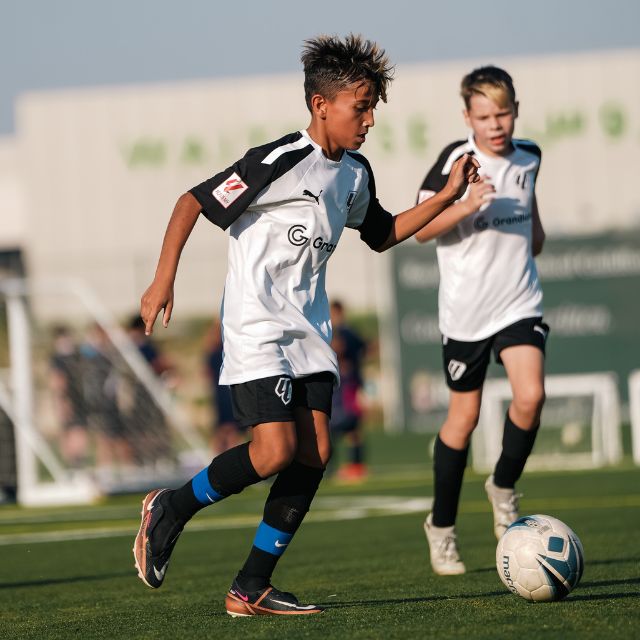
230	190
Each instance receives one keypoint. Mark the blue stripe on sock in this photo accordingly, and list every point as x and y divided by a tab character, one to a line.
202	489
271	540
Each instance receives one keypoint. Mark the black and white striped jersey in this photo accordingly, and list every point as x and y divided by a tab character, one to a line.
285	205
488	277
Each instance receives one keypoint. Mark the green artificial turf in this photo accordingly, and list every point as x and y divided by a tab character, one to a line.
367	564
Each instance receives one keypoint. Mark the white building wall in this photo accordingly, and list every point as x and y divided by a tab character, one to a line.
103	168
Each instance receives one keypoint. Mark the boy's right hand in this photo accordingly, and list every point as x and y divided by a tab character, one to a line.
157	297
480	194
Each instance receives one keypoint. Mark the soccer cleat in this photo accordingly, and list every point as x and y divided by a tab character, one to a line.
154	544
265	602
505	506
353	472
443	549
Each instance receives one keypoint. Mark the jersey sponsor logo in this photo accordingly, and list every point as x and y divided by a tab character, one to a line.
227	192
480	223
284	390
297	238
296	235
456	369
351	199
306	192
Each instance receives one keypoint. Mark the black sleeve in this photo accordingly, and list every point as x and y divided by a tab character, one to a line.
225	196
435	179
533	148
377	222
376	226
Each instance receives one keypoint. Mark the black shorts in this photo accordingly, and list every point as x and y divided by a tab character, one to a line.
466	363
273	399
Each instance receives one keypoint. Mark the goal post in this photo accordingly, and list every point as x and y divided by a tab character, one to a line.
634	413
580	424
148	415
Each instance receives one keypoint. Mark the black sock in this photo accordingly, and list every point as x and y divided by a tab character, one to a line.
287	504
356	453
448	471
516	447
228	473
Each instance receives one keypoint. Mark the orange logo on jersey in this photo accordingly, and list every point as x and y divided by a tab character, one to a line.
230	190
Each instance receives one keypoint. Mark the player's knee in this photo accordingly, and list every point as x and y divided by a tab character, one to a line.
276	457
529	401
464	421
317	456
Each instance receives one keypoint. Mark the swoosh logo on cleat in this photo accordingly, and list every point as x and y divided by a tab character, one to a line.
150	505
295	606
161	572
240	595
281	544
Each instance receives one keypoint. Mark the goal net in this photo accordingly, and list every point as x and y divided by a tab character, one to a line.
580	425
83	411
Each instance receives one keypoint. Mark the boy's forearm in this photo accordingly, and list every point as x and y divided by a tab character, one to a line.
443	223
181	223
407	223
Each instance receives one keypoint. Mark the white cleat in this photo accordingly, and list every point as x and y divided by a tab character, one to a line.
505	505
443	549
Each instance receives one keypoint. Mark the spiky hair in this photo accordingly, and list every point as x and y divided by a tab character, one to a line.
331	64
491	82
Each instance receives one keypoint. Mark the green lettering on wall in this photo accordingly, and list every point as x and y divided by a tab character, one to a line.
417	133
560	125
150	152
193	151
384	135
613	120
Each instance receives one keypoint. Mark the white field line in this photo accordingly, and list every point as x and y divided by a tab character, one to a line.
326	510
332	509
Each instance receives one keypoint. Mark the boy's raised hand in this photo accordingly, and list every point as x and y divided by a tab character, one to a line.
463	172
481	193
158	296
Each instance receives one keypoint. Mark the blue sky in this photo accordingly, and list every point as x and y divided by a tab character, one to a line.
68	43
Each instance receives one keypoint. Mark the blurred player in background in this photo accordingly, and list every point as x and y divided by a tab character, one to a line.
146	426
101	381
346	410
286	205
66	380
228	432
490	299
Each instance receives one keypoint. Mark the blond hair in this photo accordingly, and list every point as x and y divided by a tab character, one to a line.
492	82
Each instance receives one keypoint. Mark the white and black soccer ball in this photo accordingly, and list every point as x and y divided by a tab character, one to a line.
540	558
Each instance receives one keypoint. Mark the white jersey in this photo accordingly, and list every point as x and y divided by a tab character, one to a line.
285	205
488	277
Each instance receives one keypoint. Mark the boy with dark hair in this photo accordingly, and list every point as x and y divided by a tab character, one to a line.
285	204
490	299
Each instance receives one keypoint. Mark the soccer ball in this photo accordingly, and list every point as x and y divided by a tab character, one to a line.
540	558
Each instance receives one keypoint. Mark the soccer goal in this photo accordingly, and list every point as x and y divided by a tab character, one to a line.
634	412
90	416
580	425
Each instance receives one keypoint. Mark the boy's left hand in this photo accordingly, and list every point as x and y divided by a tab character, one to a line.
463	173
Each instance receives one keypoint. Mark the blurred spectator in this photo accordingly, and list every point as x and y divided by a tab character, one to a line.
146	424
101	379
66	381
227	432
346	412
